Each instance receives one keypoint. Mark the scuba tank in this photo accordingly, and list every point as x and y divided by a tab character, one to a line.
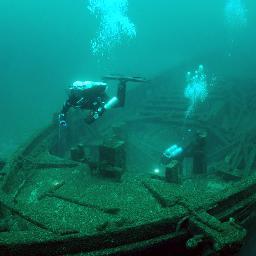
111	103
171	152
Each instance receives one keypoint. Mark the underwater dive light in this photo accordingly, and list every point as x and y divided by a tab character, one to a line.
111	103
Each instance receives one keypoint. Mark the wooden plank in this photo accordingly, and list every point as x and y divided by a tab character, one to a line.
111	211
250	161
6	203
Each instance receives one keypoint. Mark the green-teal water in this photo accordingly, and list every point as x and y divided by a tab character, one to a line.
45	47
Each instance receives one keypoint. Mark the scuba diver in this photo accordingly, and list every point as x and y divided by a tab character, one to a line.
196	150
92	96
174	152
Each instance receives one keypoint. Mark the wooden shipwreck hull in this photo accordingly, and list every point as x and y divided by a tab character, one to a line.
51	205
55	207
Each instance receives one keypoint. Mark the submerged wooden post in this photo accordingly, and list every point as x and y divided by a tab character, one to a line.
77	153
173	172
199	154
112	159
2	164
119	131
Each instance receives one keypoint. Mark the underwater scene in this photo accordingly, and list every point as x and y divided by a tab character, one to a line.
128	127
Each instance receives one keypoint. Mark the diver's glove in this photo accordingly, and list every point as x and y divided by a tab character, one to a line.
62	121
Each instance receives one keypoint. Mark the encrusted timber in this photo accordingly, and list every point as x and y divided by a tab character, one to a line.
223	151
221	234
112	211
38	165
243	152
19	162
239	154
2	164
228	176
250	161
37	140
6	203
235	202
51	244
